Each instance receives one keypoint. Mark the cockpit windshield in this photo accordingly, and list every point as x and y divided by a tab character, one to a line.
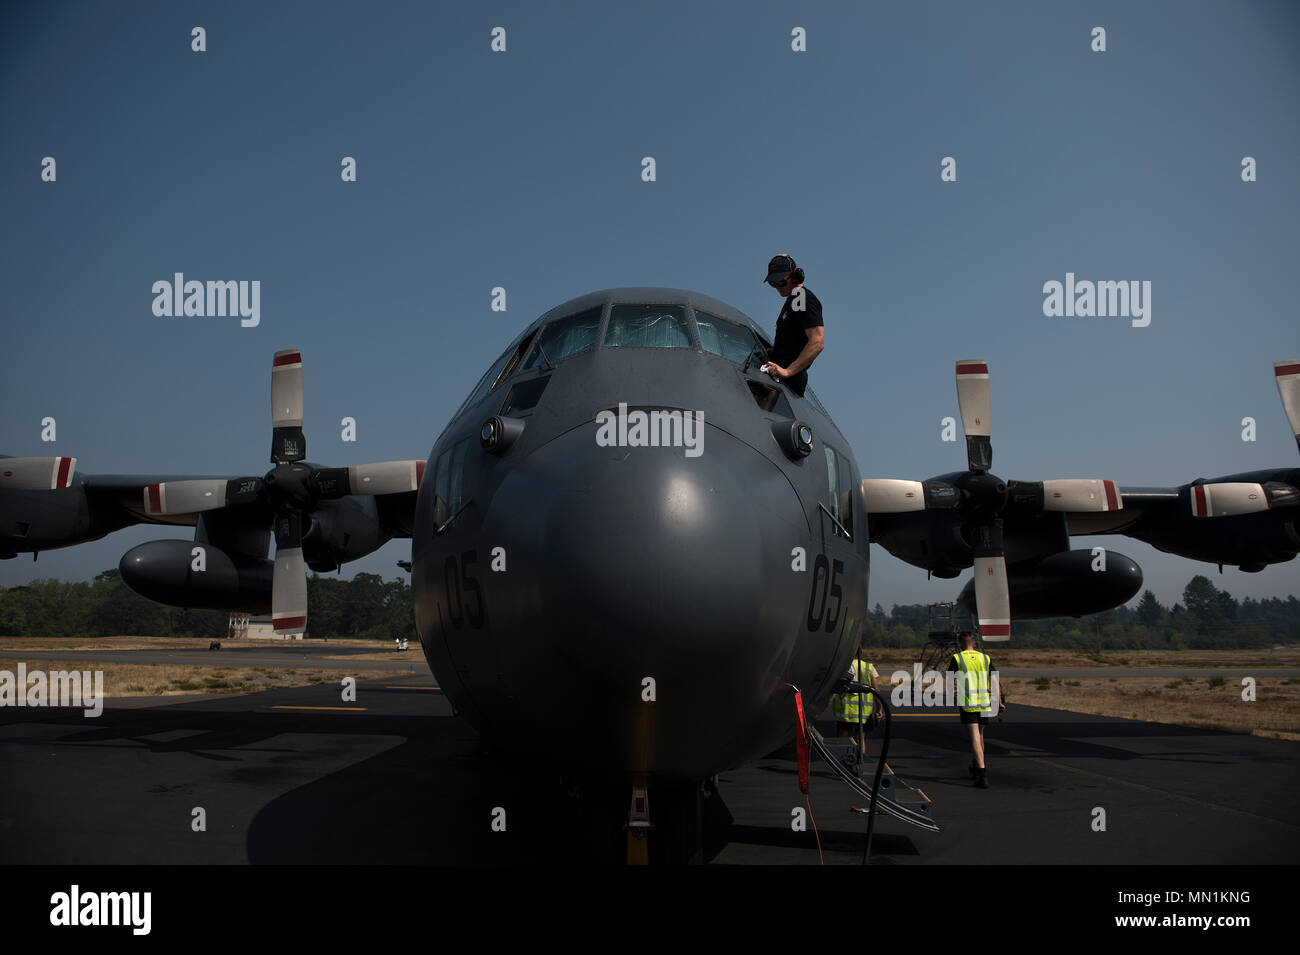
564	338
647	326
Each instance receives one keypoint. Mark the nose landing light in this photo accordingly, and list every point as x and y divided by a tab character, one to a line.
498	433
794	437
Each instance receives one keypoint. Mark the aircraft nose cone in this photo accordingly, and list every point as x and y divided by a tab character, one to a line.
666	589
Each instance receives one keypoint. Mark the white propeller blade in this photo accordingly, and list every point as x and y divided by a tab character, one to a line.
891	496
386	477
289	592
286	389
1225	500
1288	386
184	497
992	599
1081	494
973	397
36	474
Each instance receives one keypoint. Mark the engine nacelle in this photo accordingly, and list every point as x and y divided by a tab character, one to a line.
941	543
932	540
342	531
1248	541
165	571
1066	585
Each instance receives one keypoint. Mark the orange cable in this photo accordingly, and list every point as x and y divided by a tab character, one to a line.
816	834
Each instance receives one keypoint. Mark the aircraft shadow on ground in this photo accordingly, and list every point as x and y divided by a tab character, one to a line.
432	797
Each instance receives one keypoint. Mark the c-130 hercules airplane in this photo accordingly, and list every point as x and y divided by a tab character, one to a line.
630	545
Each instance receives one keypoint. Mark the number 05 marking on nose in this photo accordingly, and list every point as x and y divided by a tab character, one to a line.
824	579
461	587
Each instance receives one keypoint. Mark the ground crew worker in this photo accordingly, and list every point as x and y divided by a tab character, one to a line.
800	335
847	706
976	669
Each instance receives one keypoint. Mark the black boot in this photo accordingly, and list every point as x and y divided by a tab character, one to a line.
974	770
982	779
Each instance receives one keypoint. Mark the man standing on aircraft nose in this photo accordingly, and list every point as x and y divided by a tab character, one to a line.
800	335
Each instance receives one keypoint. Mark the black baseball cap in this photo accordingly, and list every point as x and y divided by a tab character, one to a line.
780	267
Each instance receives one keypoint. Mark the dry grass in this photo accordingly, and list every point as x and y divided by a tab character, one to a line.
1205	702
167	679
1009	659
1209	703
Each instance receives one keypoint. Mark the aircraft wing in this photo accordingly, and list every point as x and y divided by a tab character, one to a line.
1016	534
1138	503
319	517
1247	520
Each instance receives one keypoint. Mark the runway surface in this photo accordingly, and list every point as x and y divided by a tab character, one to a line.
297	776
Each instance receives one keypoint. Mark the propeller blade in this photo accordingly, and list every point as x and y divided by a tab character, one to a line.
891	496
992	597
36	474
1231	498
289	581
288	444
1287	374
975	406
191	497
1081	494
384	477
289	592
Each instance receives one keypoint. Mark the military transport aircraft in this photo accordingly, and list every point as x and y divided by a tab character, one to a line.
630	545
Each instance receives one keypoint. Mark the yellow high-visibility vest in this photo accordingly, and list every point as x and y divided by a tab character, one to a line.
975	666
845	705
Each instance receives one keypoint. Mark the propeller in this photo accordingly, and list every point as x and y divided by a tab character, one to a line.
36	474
985	497
1230	498
981	499
292	489
1287	375
892	496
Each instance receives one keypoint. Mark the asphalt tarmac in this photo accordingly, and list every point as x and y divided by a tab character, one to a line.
298	776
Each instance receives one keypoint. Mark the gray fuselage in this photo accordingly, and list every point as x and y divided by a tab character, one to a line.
627	609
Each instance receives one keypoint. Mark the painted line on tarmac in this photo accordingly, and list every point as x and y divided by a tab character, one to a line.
347	709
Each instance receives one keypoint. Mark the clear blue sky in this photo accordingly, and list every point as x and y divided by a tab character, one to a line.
522	169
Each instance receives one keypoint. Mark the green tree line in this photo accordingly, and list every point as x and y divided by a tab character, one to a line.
366	606
1206	619
369	606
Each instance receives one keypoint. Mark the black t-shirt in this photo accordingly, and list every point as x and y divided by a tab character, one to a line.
792	326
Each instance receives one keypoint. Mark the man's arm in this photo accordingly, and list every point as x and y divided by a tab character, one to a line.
1002	697
816	342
